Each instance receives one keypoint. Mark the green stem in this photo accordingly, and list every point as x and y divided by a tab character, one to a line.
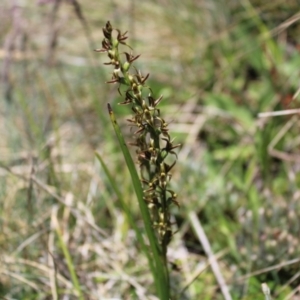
69	262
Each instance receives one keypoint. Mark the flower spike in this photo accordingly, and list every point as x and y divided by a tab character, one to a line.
151	137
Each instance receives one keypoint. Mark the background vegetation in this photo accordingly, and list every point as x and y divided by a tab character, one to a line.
220	65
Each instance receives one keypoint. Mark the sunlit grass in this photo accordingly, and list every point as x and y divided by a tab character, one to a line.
218	65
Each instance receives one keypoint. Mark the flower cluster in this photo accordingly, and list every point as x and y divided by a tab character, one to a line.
152	139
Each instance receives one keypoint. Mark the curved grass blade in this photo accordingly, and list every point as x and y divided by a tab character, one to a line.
127	212
68	258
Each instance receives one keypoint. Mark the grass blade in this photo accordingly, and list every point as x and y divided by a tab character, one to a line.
67	255
127	212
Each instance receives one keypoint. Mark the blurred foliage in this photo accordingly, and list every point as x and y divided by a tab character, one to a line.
218	64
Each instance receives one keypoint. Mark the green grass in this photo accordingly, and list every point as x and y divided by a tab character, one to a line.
218	65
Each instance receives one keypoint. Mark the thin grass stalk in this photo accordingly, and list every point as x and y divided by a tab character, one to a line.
68	258
127	212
